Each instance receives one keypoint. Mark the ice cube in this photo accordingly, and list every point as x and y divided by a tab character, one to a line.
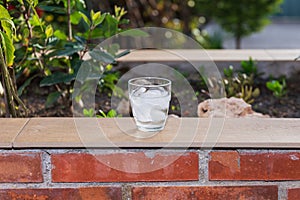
157	113
141	111
139	91
154	92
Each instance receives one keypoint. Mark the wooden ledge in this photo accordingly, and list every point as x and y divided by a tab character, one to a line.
178	133
178	55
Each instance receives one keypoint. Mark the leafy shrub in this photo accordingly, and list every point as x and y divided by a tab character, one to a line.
90	113
278	87
240	83
249	67
13	104
47	50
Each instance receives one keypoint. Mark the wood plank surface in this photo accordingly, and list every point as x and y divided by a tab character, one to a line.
177	55
48	132
9	129
178	133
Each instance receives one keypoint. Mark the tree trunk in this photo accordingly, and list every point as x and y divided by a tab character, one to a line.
135	16
97	5
185	16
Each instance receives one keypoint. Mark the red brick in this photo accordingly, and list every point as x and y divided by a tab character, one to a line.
206	192
83	167
284	166
293	194
232	165
88	193
20	167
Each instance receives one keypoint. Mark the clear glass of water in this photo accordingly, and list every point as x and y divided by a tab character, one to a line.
149	99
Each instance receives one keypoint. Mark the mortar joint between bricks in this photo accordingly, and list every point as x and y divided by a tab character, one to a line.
203	165
126	192
46	167
282	192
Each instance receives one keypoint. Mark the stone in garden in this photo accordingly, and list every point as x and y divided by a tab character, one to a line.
235	107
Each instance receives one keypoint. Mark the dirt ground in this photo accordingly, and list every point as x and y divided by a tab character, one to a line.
287	106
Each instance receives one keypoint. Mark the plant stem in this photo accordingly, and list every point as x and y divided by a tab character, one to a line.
70	37
7	88
10	93
5	95
26	17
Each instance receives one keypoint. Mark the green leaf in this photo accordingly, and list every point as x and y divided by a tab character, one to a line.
97	33
95	16
49	31
110	26
92	13
25	84
60	35
87	72
80	40
75	18
88	112
52	98
102	113
271	85
85	18
57	77
53	9
101	56
35	21
112	49
4	13
6	22
99	19
112	113
69	50
25	32
8	48
228	72
123	53
8	26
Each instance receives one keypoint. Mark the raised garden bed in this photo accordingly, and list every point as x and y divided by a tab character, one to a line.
271	62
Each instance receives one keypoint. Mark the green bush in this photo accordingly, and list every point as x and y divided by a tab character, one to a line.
278	87
13	104
240	83
54	54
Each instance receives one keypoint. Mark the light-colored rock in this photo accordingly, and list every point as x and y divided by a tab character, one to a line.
226	107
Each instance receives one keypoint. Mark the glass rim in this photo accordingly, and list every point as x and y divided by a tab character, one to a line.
168	82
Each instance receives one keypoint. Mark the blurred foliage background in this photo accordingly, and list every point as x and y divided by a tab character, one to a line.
239	17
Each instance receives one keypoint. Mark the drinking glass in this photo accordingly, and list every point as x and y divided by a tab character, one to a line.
149	99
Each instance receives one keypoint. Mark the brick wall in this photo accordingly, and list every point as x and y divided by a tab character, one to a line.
40	174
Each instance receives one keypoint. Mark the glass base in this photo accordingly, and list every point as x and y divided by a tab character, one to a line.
150	129
153	126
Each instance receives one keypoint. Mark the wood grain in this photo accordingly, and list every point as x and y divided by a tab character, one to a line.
178	133
177	55
9	129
